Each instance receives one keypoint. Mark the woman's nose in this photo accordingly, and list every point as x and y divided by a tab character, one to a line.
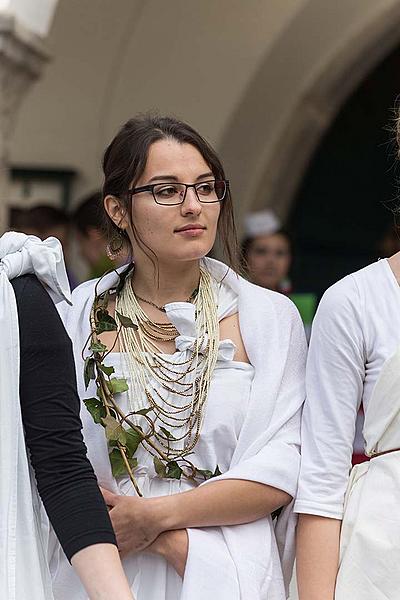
191	203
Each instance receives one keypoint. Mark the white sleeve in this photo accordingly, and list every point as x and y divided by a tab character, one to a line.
334	386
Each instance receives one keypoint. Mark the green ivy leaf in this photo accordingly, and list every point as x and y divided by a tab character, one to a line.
114	431
142	411
105	321
126	321
173	470
107	370
98	347
96	409
159	467
205	473
133	439
117	386
118	466
167	433
89	372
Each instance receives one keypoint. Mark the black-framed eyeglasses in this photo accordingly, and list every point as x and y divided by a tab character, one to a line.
171	194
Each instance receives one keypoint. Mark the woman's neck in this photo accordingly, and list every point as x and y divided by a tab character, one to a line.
170	283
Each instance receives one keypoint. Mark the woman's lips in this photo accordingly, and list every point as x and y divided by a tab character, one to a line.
191	232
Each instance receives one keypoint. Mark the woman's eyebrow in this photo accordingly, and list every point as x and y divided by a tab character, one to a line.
174	178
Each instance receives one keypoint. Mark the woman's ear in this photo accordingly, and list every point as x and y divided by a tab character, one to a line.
116	211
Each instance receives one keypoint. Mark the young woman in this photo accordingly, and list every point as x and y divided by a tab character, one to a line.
213	363
348	541
267	251
39	404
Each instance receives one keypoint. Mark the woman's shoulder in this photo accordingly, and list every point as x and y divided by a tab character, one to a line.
352	303
353	289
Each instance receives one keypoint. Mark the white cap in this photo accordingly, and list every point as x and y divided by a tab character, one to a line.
263	222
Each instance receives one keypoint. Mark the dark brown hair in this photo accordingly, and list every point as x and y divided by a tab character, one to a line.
125	160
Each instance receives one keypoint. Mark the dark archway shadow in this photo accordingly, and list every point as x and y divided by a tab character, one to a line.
340	211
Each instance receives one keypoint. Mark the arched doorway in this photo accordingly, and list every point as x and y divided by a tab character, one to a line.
340	210
313	67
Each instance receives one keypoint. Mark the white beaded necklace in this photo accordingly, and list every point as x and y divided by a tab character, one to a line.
177	398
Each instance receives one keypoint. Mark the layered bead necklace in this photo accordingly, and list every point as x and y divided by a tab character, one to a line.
176	390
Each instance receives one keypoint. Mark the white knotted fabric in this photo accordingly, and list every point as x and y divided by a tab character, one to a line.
370	548
24	572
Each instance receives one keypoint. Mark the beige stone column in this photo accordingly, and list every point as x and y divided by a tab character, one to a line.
22	58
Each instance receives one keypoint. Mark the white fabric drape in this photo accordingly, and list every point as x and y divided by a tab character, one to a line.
370	548
24	573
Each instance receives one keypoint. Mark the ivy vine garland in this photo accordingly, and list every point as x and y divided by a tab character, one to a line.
123	435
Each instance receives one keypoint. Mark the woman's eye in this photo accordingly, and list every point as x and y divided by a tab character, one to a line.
167	191
205	189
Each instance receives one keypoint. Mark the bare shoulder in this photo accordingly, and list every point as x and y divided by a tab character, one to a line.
229	329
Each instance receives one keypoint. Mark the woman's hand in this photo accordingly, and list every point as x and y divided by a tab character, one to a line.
134	521
173	546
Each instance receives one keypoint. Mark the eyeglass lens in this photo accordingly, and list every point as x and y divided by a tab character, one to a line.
174	193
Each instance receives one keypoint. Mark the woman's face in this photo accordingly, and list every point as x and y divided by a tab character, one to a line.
182	232
269	259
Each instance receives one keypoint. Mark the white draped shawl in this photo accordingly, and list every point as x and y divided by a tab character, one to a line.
24	573
268	446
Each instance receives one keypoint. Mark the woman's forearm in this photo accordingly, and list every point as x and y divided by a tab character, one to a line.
317	557
227	502
100	570
173	546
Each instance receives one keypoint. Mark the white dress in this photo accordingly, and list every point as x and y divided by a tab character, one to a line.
221	560
354	357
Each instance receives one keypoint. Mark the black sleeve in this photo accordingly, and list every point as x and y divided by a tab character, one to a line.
50	414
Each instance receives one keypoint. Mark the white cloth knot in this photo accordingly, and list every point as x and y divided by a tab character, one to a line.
22	254
226	348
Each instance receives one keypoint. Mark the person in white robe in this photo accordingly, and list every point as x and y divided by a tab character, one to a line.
348	542
182	540
24	527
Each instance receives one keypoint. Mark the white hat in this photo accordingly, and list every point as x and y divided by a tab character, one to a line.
263	222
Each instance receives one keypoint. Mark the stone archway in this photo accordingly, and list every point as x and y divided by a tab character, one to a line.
267	172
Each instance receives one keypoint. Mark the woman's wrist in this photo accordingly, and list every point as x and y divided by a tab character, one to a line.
165	512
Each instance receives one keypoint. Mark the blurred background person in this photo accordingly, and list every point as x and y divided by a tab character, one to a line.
267	251
90	235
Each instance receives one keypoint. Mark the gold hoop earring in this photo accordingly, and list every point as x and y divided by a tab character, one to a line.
115	245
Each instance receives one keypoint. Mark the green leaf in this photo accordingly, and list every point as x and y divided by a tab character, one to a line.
205	473
167	433
104	321
96	409
173	470
133	439
117	386
114	431
118	466
98	347
126	321
142	411
107	370
89	372
159	467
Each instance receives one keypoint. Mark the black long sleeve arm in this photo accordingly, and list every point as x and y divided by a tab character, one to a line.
50	414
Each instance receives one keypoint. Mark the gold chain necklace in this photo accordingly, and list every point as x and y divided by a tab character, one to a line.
176	390
162	308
